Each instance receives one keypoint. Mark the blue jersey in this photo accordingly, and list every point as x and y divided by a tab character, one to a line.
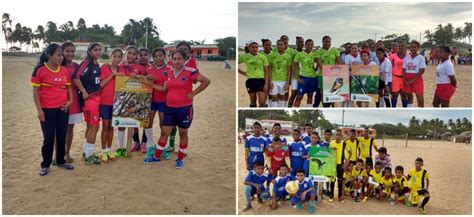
303	186
307	139
256	146
325	144
283	140
280	183
297	150
261	180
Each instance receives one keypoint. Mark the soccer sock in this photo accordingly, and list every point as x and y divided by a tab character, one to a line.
107	149
89	150
173	137
387	101
311	203
381	102
404	103
135	135
159	149
284	104
149	136
121	138
144	137
253	106
248	194
410	105
309	106
104	150
377	104
424	202
394	102
281	104
317	99
273	104
182	151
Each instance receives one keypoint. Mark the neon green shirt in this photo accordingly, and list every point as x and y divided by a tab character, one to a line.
255	64
279	63
328	57
306	62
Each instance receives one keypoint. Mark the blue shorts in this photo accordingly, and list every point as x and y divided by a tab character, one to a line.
181	116
310	85
280	194
297	199
105	111
158	106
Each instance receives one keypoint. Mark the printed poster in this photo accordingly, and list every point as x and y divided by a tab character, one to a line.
365	83
335	83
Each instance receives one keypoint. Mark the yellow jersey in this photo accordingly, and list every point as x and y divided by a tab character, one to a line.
359	174
402	181
339	150
376	176
418	178
365	146
387	184
351	146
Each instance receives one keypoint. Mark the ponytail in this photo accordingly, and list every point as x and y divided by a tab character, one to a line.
44	57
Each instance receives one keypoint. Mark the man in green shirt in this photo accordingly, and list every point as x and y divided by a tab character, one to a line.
257	74
294	80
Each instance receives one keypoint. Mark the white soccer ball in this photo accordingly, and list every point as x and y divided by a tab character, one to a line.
292	187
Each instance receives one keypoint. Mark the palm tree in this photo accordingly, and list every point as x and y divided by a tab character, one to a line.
467	31
458	34
7	30
428	35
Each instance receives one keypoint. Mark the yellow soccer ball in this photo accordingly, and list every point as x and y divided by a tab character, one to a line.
292	187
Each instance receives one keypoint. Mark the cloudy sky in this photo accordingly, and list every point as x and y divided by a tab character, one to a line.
345	21
189	20
357	117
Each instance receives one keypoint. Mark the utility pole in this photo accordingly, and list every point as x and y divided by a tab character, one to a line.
343	117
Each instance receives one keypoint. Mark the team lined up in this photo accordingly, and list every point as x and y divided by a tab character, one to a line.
62	90
272	73
357	175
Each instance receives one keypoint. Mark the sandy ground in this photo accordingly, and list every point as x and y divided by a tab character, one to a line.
125	186
448	164
462	97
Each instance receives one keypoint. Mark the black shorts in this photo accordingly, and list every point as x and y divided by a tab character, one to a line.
423	192
382	84
255	85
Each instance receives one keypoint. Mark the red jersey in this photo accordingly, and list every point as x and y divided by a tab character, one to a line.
128	69
161	75
52	86
397	64
108	91
191	62
75	106
277	156
179	86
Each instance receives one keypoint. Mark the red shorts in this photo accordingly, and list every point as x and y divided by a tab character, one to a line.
91	110
397	83
416	87
445	91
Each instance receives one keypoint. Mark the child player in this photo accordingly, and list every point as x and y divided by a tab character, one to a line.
373	183
297	150
275	156
400	187
305	192
254	147
419	184
256	182
279	191
277	133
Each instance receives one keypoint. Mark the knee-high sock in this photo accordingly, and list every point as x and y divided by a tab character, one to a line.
173	137
149	136
182	151
159	149
424	202
121	138
394	102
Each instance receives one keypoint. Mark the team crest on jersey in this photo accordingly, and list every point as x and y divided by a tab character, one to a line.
183	79
165	73
305	185
411	66
95	72
96	118
57	79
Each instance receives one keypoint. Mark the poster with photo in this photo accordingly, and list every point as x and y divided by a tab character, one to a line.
335	83
365	83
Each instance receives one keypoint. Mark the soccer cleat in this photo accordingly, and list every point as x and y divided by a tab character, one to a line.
392	202
357	199
118	153
330	200
365	199
111	156
299	206
311	209
151	160
91	160
143	148
104	157
165	155
422	210
135	147
169	149
179	163
151	150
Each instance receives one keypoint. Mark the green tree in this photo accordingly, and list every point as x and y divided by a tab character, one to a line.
226	46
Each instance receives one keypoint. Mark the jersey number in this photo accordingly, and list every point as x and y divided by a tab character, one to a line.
97	80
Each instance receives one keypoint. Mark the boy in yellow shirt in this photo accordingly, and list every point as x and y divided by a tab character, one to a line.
400	185
386	184
419	184
352	144
338	146
365	146
373	183
360	178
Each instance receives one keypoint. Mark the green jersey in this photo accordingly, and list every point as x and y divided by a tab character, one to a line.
292	52
328	57
306	62
255	64
279	63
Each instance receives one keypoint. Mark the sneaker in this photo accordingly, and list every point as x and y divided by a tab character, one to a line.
143	148
422	210
66	166
299	206
135	147
69	159
111	156
247	208
44	171
169	148
91	160
165	155
357	199
365	199
104	157
179	163
150	151
311	209
118	153
330	200
392	202
151	160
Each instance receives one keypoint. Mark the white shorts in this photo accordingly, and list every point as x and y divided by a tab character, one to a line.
75	118
278	88
294	84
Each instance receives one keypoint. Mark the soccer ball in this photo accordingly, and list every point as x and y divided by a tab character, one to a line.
292	187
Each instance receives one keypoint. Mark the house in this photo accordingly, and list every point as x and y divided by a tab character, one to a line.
198	51
81	48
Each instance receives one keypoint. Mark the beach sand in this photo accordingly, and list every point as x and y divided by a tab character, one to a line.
448	164
462	97
125	186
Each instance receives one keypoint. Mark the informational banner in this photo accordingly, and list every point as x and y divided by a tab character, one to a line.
335	83
365	83
322	164
132	102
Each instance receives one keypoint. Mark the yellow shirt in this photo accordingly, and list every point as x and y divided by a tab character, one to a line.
338	147
387	183
352	147
376	176
365	148
358	174
417	181
402	181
